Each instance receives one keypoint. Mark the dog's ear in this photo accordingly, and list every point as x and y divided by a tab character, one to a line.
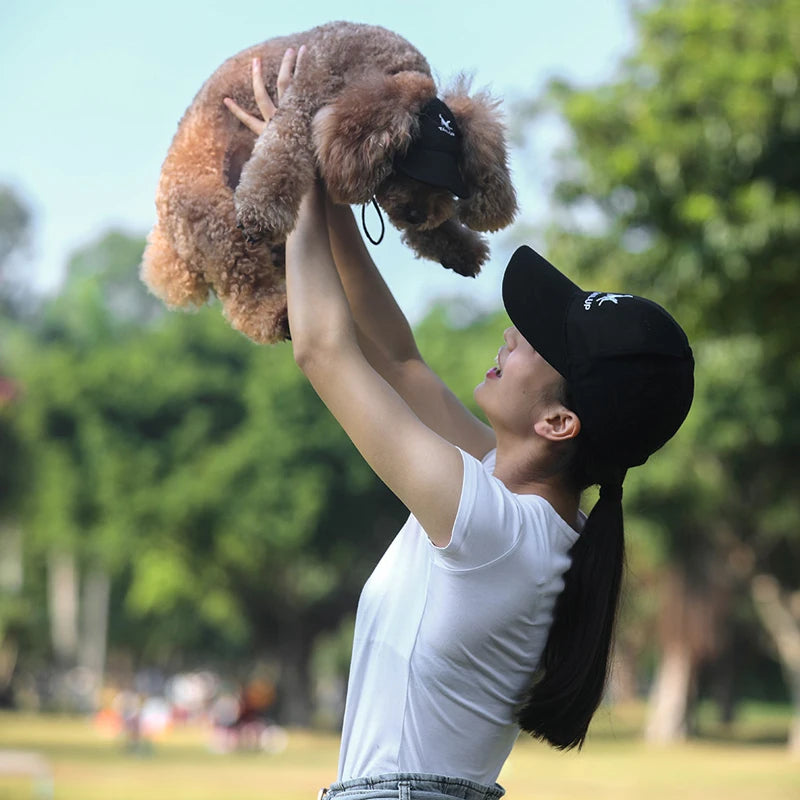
484	159
357	137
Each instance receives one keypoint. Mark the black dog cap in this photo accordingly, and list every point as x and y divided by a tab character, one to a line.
627	362
434	154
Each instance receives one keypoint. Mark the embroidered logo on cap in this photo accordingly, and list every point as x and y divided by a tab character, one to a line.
603	297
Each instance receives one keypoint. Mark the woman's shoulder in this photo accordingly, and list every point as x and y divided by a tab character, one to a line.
550	519
530	514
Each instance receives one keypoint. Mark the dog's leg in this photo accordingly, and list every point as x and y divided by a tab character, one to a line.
277	175
452	244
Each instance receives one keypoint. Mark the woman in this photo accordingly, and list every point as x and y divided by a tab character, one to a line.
493	609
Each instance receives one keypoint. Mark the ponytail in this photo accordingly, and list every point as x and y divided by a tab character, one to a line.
575	663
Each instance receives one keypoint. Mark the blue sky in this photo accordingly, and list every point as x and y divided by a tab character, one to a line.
92	93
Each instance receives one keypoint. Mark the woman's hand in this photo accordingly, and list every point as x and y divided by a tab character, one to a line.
288	69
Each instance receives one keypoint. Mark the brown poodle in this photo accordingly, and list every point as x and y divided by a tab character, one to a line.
226	201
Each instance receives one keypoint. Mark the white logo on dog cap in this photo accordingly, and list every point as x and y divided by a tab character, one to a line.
602	297
446	126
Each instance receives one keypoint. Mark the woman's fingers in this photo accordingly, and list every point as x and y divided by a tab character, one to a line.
263	101
254	123
286	71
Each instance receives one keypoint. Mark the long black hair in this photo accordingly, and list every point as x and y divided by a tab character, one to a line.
575	662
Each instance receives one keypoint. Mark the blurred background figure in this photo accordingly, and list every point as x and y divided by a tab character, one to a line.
240	720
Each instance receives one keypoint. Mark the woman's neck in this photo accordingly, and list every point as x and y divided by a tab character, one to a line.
525	472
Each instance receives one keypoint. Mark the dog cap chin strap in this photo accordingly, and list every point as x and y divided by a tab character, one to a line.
364	221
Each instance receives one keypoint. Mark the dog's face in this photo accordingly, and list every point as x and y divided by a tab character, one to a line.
360	134
413	205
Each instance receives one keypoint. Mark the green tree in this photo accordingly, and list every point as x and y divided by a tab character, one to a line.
262	519
71	466
679	180
188	480
15	231
15	223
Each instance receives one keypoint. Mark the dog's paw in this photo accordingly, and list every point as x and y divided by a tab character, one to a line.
466	267
466	254
270	223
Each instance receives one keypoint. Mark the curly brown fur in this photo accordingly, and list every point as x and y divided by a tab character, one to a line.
372	121
226	200
484	159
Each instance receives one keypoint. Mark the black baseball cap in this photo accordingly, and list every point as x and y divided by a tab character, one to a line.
434	153
627	362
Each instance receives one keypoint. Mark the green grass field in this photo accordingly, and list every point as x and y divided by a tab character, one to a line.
749	762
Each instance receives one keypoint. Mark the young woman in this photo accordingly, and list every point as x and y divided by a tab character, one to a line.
493	608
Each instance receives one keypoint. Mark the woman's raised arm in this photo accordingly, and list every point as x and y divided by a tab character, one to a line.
388	342
424	470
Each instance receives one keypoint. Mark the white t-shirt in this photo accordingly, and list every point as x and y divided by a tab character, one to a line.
447	639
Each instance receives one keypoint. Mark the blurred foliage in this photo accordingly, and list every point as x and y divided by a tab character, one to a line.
680	181
201	471
15	220
15	237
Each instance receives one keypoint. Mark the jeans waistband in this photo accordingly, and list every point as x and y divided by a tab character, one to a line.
407	785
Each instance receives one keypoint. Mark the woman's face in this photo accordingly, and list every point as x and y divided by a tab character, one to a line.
520	389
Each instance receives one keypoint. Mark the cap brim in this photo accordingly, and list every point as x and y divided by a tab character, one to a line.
434	167
537	298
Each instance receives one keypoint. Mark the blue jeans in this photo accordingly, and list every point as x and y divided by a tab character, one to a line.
411	786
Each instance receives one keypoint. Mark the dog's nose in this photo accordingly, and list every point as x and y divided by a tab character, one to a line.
415	216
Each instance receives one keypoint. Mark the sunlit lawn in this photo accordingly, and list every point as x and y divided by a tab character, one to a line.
750	762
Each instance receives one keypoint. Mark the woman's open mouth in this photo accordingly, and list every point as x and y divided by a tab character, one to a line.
495	371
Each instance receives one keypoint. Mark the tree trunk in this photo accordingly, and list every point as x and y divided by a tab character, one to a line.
11	577
10	558
780	615
94	631
9	651
294	685
622	683
669	697
62	586
688	634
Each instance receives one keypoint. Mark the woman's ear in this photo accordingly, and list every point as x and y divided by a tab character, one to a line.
558	424
357	137
484	160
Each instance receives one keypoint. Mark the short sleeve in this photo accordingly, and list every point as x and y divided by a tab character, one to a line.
488	522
